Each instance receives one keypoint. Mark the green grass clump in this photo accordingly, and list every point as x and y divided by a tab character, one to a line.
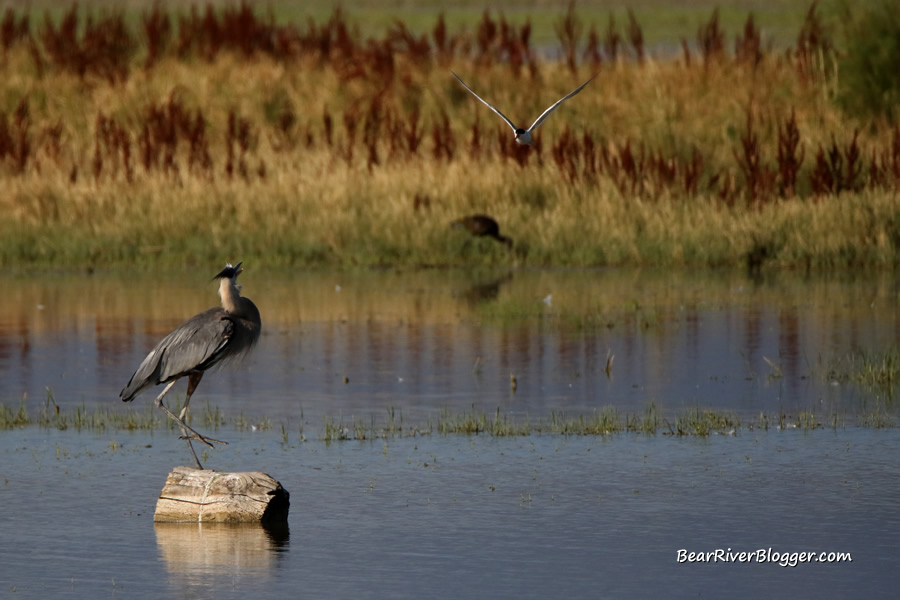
605	421
877	371
699	422
869	82
13	419
496	425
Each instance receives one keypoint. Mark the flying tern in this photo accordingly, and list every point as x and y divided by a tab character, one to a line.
523	136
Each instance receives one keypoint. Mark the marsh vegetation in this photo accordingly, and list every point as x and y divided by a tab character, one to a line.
169	137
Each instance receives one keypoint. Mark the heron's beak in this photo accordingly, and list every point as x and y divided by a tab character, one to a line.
229	271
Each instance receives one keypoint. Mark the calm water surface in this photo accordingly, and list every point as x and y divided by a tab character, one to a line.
354	345
541	516
455	516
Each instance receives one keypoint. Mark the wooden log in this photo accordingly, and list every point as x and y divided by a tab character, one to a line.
195	495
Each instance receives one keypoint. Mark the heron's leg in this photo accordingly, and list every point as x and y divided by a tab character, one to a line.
184	426
191	446
193	382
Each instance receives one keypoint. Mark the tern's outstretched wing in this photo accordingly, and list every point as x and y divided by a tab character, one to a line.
490	106
555	105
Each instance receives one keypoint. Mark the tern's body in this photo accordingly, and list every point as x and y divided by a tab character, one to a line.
523	136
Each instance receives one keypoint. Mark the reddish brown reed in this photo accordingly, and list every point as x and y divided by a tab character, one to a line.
759	178
837	171
562	153
636	36
15	142
36	57
421	202
591	52
813	45
441	41
486	40
351	121
686	53
50	141
372	131
502	42
412	131
112	141
884	171
328	126
568	32
239	134
13	30
475	141
443	139
748	44
104	48
284	136
711	39
401	39
161	126
157	27
612	39
790	156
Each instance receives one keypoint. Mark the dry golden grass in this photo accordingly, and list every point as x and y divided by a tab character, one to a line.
293	195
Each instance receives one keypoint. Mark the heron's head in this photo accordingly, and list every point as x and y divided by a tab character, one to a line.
230	272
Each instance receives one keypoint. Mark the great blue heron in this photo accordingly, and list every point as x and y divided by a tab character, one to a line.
523	136
482	226
198	344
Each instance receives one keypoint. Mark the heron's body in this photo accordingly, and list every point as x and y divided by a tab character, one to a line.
524	136
482	226
206	340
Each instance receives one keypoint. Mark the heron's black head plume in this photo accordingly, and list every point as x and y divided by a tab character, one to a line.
229	272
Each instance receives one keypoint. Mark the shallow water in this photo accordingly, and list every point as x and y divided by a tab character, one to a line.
460	516
355	345
457	516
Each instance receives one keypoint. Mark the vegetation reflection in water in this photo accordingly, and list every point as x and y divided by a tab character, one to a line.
562	298
638	326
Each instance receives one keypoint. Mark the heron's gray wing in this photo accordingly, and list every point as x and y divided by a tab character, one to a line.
546	113
195	345
486	103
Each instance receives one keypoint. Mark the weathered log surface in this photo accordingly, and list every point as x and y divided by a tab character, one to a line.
195	495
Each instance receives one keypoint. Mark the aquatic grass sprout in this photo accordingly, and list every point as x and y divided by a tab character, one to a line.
608	420
878	371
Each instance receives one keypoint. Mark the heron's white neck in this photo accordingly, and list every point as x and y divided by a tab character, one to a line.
230	293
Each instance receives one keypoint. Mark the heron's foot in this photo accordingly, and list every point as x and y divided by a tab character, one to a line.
202	438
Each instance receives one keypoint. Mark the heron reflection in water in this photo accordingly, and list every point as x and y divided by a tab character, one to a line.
204	341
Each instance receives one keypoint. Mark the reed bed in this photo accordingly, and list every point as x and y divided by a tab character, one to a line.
217	131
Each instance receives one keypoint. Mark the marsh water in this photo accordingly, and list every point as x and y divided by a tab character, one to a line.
543	515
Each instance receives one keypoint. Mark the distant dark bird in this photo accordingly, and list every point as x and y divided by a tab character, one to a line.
523	136
200	343
482	226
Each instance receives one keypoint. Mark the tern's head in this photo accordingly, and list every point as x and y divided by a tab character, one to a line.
523	136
